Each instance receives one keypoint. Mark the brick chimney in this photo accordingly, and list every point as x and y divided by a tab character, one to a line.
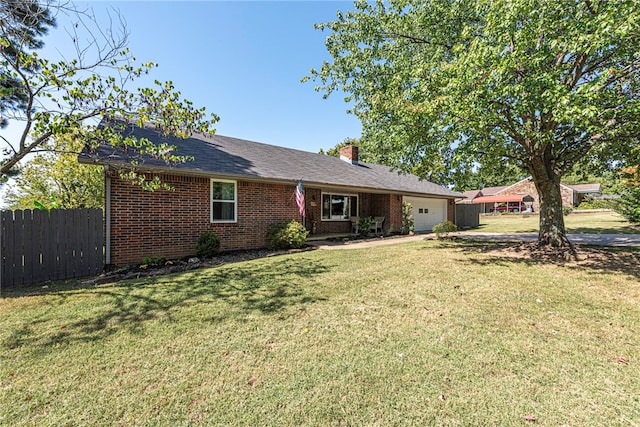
349	154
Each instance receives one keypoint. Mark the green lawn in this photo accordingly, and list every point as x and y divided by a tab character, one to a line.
426	333
581	223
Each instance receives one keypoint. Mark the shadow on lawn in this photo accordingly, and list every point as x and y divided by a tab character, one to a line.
611	260
263	287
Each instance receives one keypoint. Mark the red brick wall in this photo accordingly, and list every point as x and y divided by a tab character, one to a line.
394	221
390	207
451	210
364	202
350	152
528	187
168	223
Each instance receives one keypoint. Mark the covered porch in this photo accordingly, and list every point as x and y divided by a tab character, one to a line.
332	212
504	203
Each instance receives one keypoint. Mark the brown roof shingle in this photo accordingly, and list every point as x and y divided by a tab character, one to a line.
217	155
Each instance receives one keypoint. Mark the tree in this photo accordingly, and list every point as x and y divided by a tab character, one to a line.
57	176
70	97
539	84
22	23
629	203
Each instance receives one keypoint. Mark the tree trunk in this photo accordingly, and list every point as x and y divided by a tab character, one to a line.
552	231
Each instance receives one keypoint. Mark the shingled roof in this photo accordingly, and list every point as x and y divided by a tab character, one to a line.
216	155
586	188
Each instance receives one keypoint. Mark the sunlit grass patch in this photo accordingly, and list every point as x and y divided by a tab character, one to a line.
429	333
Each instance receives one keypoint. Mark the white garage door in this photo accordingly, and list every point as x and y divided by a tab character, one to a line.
427	212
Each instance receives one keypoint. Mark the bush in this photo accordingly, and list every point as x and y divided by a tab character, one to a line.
288	235
208	245
566	210
407	219
629	204
152	261
591	203
364	224
443	229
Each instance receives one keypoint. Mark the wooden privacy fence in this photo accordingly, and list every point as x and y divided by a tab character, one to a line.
37	245
467	215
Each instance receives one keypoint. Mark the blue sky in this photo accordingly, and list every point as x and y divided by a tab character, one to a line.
243	61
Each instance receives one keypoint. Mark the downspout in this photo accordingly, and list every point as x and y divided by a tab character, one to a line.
107	215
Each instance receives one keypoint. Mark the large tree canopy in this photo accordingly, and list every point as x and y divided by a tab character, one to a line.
63	98
57	176
538	83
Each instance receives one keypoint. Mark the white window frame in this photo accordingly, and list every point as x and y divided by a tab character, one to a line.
342	195
235	202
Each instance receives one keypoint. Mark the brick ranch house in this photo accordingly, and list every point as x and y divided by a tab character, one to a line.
523	194
238	189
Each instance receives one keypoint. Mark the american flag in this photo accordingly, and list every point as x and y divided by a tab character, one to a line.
300	198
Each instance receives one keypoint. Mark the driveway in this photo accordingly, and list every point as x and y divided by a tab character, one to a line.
581	239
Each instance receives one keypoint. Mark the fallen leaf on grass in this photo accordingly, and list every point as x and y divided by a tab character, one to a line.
530	417
623	360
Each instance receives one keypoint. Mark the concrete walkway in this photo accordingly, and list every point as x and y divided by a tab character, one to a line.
580	239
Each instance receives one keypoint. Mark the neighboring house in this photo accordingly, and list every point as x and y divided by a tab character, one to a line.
523	194
238	189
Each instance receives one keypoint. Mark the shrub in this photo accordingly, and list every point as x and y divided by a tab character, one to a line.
208	245
288	235
629	204
443	229
566	210
407	219
152	261
591	203
364	224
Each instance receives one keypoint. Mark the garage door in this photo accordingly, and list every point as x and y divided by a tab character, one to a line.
427	212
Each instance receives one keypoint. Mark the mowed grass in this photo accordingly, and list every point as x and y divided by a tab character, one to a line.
580	223
426	333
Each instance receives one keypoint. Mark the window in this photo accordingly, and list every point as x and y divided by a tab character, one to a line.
224	201
339	206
